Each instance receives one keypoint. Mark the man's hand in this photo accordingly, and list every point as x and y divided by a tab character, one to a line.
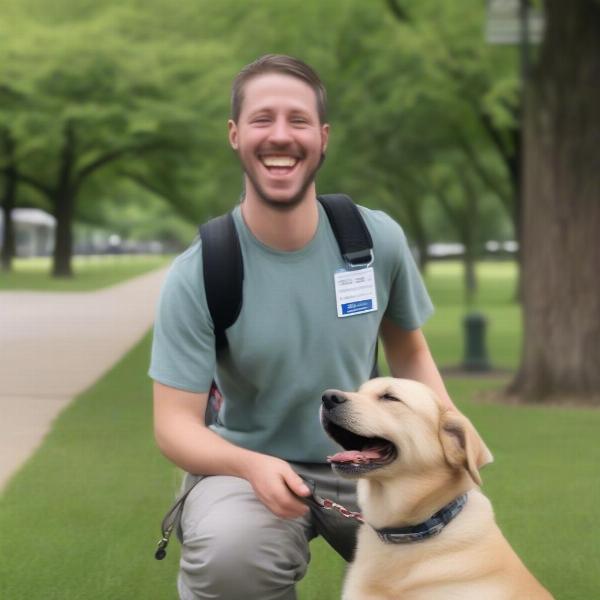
185	440
276	485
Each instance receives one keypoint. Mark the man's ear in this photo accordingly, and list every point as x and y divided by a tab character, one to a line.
462	445
324	137
233	134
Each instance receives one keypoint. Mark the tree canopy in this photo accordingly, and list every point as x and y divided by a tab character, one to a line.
94	93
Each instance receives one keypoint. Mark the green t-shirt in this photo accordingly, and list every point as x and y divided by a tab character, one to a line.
288	345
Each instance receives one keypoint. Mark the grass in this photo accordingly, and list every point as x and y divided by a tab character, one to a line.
90	272
495	300
81	519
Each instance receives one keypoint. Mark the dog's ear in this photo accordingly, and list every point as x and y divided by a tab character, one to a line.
462	445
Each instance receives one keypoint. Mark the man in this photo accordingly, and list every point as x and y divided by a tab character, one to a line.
244	528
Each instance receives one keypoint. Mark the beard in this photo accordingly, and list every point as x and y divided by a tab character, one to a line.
287	204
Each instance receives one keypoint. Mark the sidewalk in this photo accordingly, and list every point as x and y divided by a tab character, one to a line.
55	345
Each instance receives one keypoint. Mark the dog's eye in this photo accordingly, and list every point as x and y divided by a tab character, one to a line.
390	397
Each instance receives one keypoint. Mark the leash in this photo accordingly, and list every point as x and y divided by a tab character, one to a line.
326	504
171	519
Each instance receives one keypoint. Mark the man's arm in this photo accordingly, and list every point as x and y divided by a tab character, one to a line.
183	438
408	356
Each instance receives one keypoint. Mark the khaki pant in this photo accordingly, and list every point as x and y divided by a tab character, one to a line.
234	548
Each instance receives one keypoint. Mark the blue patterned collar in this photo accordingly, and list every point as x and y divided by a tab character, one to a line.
433	526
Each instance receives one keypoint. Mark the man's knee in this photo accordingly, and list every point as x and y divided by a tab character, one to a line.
233	554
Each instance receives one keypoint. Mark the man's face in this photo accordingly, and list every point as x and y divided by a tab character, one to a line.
279	139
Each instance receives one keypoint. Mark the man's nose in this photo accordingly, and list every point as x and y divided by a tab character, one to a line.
331	398
281	132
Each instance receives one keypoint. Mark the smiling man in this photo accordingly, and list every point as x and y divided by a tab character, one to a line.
279	138
245	528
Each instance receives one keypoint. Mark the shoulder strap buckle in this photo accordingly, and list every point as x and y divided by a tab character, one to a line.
350	230
362	259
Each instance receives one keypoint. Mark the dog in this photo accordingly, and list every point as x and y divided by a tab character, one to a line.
428	533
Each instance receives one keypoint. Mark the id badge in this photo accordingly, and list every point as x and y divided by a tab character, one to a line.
355	292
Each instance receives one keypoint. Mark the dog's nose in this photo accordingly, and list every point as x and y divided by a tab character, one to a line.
331	398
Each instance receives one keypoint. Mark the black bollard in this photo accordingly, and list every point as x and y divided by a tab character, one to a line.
476	357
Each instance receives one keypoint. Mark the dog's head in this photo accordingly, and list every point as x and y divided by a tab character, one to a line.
398	426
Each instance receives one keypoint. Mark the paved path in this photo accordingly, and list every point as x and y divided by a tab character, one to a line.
55	345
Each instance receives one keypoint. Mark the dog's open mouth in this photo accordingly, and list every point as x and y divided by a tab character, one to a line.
361	454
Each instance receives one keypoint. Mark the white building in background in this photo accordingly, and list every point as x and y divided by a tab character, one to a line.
34	231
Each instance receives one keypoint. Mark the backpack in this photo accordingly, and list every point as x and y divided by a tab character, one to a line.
223	268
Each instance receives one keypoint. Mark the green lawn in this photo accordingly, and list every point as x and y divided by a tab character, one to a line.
90	272
81	519
495	300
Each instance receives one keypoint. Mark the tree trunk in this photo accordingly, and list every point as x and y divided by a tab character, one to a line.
8	204
561	211
515	165
470	276
469	226
63	237
9	200
64	206
423	249
417	226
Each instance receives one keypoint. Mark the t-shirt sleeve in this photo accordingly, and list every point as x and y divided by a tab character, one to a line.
183	347
409	305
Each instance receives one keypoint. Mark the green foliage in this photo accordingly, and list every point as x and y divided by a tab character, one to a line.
134	214
420	87
144	88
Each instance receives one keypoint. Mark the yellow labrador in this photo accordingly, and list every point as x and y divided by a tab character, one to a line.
429	532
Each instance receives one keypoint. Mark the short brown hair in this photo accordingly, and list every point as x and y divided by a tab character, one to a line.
277	63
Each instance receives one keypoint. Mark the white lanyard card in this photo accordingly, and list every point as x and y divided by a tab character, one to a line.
355	292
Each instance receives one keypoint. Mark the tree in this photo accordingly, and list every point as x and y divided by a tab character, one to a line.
405	116
561	218
96	91
9	199
141	91
475	90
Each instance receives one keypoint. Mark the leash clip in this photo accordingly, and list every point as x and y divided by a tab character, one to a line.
161	549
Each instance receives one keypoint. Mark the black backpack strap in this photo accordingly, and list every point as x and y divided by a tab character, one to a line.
353	238
223	270
351	233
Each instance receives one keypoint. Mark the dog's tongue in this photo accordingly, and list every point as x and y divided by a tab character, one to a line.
356	456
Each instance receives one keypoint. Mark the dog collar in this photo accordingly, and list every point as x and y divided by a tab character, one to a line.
433	526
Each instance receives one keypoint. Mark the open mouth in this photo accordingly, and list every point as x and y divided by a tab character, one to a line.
280	164
361	454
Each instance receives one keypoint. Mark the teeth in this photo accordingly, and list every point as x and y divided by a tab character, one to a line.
279	161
